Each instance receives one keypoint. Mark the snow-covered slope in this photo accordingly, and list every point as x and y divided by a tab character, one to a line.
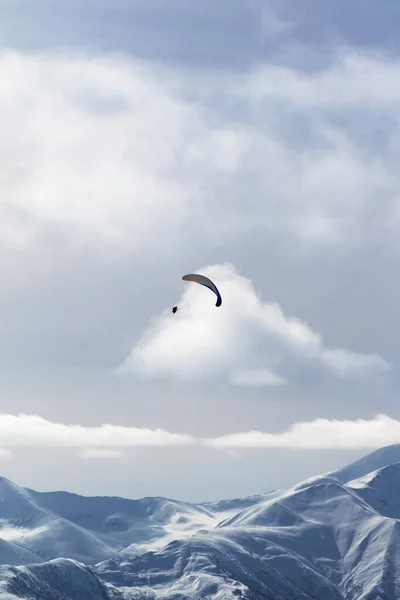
44	526
389	455
59	579
331	537
35	530
381	490
221	565
321	541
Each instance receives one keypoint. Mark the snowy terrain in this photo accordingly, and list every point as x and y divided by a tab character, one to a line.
333	537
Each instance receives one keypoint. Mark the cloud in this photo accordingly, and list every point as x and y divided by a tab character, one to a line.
33	430
247	338
81	151
104	158
167	168
117	153
345	362
319	434
108	441
100	453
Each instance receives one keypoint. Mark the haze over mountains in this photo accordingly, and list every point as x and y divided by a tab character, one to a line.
335	536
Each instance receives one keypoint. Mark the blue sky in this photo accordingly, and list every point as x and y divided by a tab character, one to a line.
235	34
257	142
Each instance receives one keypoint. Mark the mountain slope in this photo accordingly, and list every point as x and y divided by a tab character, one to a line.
321	541
381	490
129	526
55	580
373	461
216	565
336	530
334	537
90	530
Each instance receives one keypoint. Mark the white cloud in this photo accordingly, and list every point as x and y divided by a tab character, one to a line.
344	362
363	80
245	335
100	453
108	441
319	434
32	430
122	153
88	144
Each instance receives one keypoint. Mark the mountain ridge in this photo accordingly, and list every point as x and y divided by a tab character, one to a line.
334	536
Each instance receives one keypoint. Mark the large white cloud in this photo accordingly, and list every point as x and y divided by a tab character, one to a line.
89	145
246	338
107	441
33	430
319	434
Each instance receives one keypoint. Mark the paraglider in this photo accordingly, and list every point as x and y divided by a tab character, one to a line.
202	280
206	282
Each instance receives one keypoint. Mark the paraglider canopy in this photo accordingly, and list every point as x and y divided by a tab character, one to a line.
202	280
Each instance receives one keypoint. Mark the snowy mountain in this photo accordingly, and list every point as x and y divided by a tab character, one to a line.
382	457
63	525
332	537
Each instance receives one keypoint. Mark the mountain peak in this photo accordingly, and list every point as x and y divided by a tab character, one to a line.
382	457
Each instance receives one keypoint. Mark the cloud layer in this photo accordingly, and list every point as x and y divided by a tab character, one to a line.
121	152
246	339
107	441
32	430
320	434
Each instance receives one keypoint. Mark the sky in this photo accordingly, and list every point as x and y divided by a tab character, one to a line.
254	142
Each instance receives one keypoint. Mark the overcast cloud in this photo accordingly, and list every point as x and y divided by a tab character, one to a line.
136	148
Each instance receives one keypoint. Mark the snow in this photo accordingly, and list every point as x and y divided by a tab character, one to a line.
95	529
61	579
334	536
381	490
373	461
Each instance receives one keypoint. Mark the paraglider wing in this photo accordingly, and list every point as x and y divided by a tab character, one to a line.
202	280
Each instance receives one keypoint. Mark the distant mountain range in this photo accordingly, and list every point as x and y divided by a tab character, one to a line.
332	537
